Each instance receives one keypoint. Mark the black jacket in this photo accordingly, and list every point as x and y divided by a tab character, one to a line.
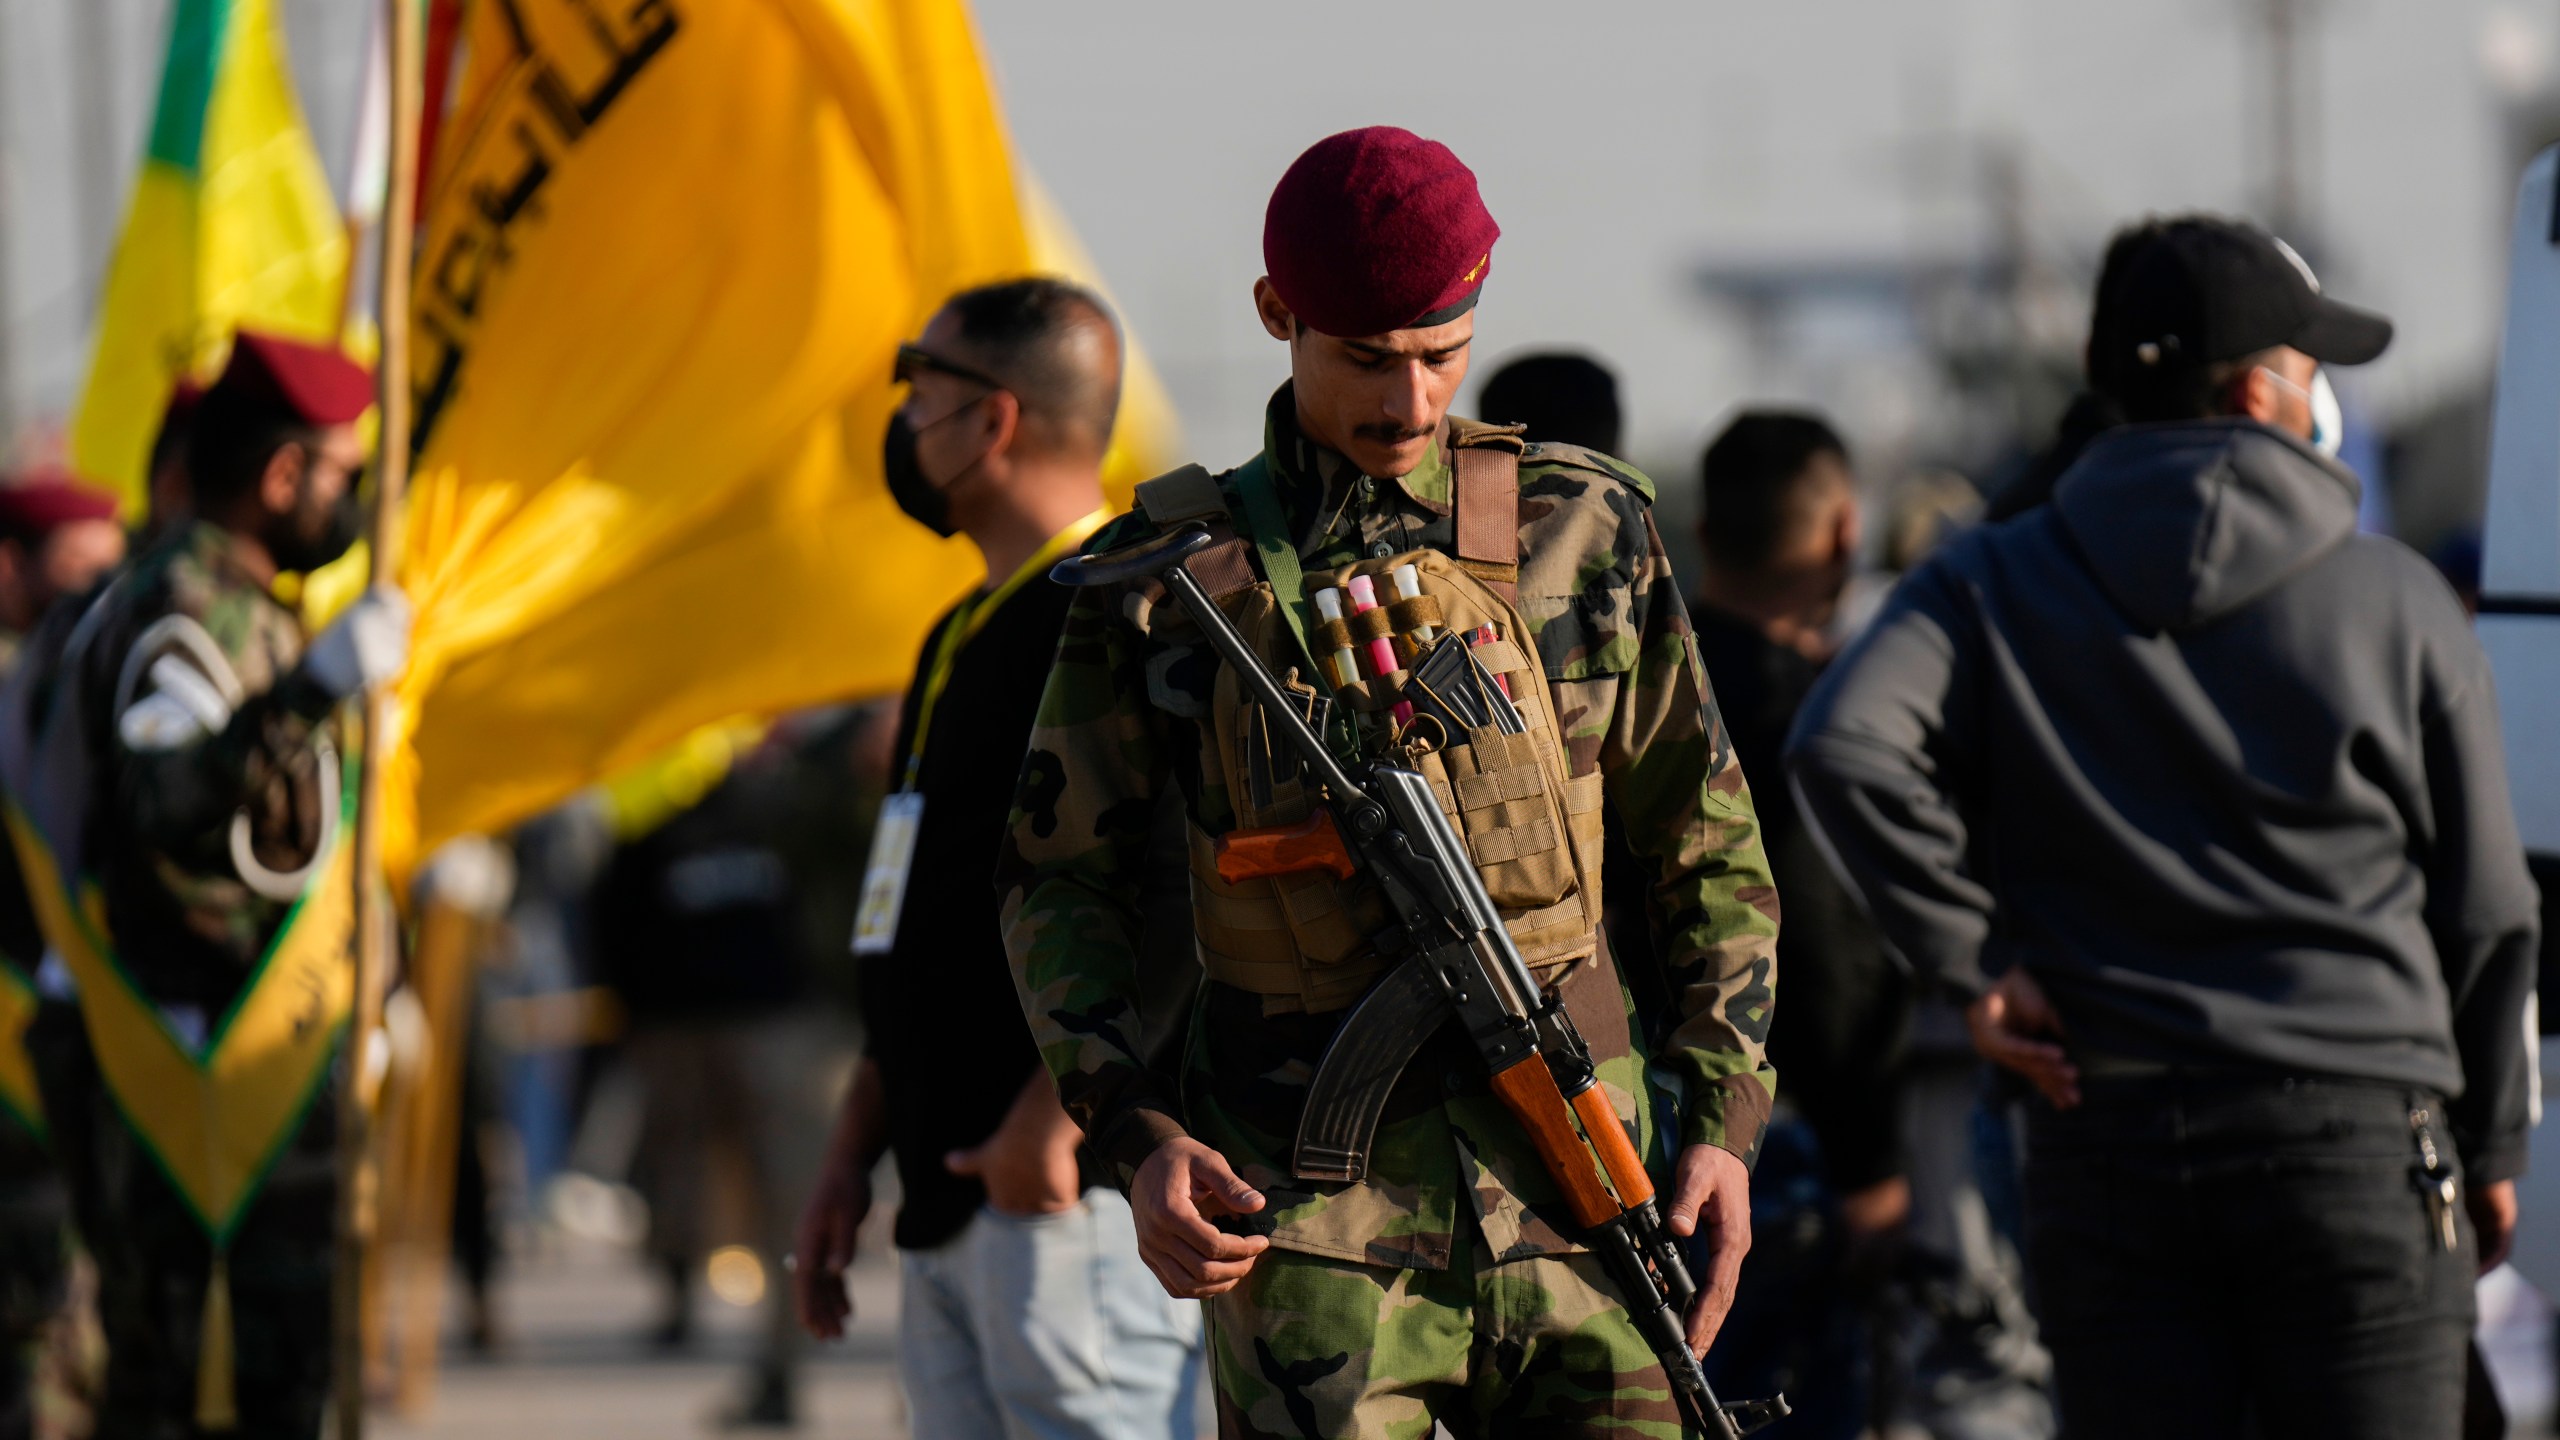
2225	774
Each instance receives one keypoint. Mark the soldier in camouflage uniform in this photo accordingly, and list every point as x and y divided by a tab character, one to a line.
1448	1284
211	729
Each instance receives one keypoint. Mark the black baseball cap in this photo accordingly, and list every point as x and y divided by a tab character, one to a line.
2206	289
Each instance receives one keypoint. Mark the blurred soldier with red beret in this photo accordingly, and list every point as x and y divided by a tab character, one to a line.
207	727
56	538
1448	1283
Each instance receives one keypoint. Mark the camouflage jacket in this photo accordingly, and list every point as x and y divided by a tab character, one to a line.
196	716
1125	715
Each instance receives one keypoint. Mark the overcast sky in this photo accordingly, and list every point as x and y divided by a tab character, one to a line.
1621	143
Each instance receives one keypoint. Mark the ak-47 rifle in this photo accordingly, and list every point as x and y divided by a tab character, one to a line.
1459	963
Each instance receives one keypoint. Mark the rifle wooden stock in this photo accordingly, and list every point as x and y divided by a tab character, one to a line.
1311	844
1531	1093
1617	1153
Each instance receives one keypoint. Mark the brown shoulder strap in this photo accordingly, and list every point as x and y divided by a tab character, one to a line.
1227	565
1191	493
1485	494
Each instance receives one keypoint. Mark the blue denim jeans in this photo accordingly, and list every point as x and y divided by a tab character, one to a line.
2219	1256
1046	1327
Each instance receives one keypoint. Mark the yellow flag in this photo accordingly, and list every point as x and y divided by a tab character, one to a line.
231	224
666	261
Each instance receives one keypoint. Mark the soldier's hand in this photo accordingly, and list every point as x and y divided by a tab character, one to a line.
1711	1196
2493	1220
366	646
1178	1187
2004	1022
824	1248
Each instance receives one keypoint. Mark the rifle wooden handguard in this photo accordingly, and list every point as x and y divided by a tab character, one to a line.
1311	844
1529	1091
1617	1152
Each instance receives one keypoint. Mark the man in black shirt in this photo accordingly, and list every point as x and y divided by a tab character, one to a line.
1025	1308
1780	532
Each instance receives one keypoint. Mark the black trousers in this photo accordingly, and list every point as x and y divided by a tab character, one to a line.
2226	1256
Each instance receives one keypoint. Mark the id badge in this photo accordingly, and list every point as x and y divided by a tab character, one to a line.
884	883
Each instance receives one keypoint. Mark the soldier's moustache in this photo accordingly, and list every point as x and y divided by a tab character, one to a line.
1391	434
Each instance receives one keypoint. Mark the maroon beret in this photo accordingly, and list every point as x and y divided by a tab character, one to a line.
33	506
317	382
1376	230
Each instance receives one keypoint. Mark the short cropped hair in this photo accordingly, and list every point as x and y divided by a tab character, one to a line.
1753	480
1038	335
233	436
1562	398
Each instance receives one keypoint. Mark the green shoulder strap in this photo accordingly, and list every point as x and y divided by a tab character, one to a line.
1268	529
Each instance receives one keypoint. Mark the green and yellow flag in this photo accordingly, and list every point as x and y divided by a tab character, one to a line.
231	223
666	260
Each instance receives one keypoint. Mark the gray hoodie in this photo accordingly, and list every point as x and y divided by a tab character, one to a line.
2223	773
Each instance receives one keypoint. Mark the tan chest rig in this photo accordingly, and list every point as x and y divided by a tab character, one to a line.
1303	941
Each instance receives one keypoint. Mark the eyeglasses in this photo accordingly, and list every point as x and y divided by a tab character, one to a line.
915	358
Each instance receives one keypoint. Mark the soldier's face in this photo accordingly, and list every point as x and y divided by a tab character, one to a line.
1377	399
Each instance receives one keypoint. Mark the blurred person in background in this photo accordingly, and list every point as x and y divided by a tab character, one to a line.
2200	794
694	931
1780	530
1564	399
1024	1309
200	726
57	538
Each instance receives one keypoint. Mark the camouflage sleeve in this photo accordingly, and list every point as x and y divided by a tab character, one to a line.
1672	774
192	752
1068	880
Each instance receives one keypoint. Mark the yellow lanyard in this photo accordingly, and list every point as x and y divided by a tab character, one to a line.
972	617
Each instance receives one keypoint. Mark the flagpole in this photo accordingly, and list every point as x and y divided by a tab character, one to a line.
356	1201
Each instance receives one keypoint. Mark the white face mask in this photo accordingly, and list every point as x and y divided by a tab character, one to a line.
2328	423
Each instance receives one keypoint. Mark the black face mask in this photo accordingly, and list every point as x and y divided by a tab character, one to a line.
294	551
922	500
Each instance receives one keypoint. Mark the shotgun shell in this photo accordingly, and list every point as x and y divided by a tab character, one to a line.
1409	587
1382	651
1346	670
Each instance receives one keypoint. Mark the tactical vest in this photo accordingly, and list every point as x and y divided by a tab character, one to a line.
1305	941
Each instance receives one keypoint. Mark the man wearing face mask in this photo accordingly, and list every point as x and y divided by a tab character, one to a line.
1024	1309
2199	793
210	729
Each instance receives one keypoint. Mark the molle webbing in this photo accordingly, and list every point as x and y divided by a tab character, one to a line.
1304	941
1485	494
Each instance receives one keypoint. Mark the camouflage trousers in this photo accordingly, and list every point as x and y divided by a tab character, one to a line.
1310	1348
